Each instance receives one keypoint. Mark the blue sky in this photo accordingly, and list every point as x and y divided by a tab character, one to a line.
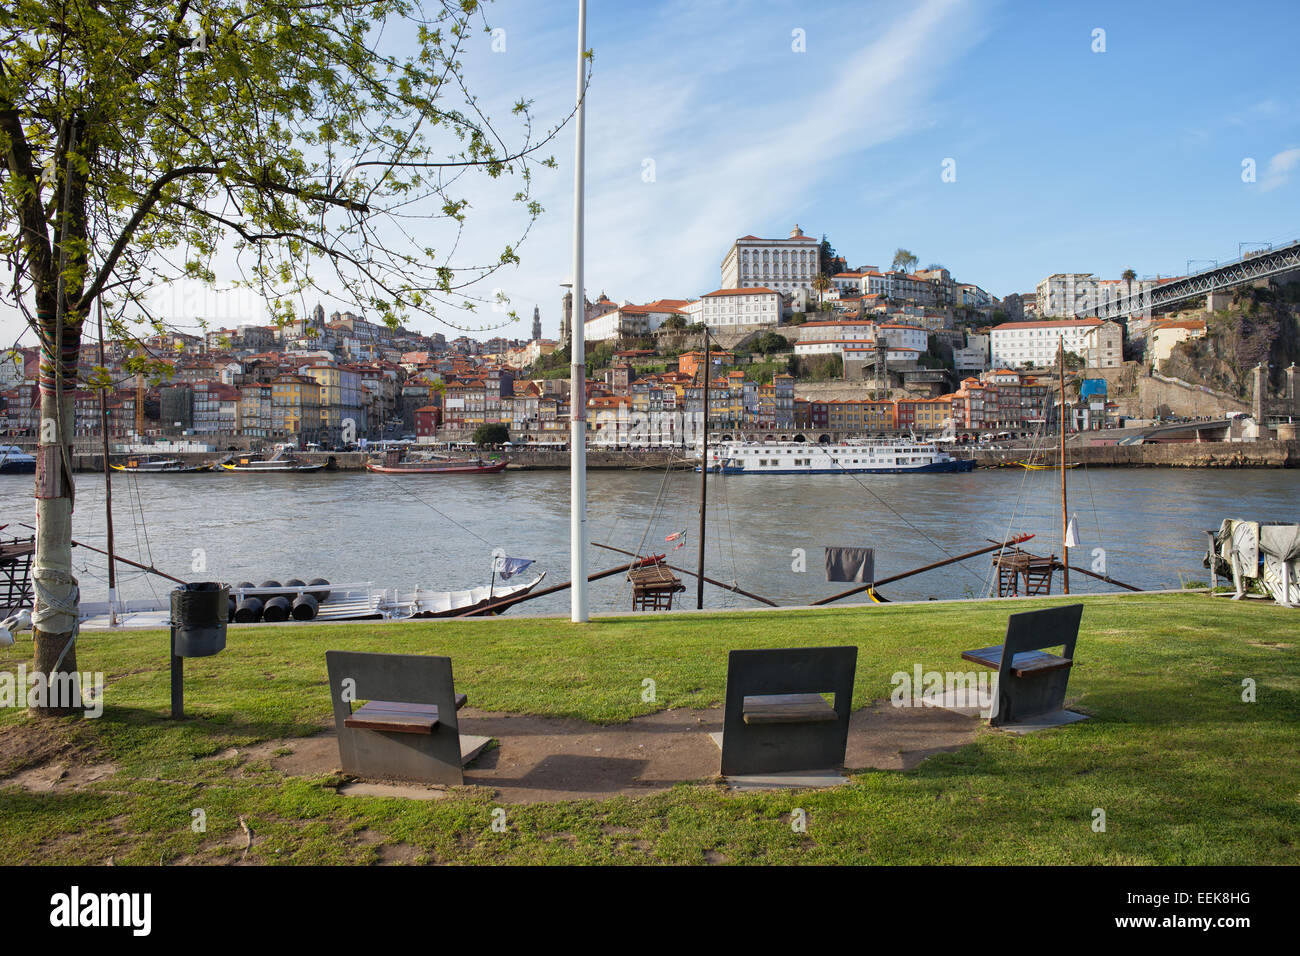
1066	159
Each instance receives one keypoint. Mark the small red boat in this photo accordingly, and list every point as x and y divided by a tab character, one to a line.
392	465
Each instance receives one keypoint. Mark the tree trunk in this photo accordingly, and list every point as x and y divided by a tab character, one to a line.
53	627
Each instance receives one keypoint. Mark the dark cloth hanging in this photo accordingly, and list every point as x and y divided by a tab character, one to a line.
853	565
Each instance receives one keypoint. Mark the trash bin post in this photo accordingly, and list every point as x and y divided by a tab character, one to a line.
178	680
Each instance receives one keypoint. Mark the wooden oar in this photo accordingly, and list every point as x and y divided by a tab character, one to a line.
1102	577
727	587
929	567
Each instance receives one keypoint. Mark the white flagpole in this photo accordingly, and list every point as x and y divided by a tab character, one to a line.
578	368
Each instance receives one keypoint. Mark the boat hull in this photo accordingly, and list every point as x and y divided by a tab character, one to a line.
176	470
435	469
272	470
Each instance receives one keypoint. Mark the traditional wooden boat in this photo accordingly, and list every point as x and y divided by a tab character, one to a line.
346	602
147	465
393	464
1033	466
281	461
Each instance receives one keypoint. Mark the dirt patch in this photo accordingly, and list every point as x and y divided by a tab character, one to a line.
884	737
48	753
295	757
556	759
60	776
396	854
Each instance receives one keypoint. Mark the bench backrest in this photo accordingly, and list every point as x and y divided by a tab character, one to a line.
1037	630
402	678
794	670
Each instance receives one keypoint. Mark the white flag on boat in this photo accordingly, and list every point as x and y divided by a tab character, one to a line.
1072	532
506	568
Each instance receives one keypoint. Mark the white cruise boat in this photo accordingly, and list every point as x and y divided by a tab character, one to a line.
881	457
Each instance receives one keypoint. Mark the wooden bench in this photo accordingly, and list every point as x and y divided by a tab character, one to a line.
408	729
777	717
398	718
1031	682
788	709
1026	662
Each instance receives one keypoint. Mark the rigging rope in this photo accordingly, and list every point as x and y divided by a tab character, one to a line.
394	478
900	516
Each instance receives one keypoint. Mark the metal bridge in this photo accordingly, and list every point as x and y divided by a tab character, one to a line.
1250	267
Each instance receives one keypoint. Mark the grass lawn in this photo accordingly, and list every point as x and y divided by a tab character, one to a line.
1185	770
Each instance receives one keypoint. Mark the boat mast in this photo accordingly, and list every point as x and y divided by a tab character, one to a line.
704	475
1065	518
108	481
578	362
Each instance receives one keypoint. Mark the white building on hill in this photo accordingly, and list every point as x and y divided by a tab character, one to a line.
632	321
736	308
1015	343
779	264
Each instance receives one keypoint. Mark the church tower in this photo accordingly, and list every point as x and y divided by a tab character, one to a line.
537	324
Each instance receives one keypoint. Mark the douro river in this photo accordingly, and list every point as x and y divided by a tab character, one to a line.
765	533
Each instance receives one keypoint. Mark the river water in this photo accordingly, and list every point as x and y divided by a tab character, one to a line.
439	531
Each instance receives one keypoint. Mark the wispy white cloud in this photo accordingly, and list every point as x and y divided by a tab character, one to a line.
1280	167
745	137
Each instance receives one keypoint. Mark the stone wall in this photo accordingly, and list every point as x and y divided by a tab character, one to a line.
838	391
1260	454
1139	395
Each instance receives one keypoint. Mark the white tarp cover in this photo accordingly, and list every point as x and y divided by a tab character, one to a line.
1267	549
1278	540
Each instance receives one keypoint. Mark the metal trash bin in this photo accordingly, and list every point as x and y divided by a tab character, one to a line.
199	614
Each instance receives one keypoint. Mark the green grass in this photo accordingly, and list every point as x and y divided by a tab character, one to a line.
1184	769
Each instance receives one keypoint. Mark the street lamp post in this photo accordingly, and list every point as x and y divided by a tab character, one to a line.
578	361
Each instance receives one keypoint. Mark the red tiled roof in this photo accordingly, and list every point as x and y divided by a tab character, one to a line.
757	290
1051	324
787	239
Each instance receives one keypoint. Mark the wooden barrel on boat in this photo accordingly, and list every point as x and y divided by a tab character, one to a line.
248	611
276	609
321	596
304	608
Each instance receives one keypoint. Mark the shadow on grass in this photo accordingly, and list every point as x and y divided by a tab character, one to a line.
141	735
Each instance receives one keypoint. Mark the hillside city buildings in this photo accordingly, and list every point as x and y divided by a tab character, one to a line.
930	351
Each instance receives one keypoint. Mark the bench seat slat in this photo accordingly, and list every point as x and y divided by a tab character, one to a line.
398	717
788	709
1026	662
